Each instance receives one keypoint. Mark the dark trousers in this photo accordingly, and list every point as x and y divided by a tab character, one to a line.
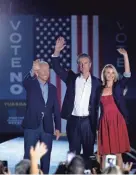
79	134
31	137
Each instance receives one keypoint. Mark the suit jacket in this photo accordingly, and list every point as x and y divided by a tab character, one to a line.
117	91
68	104
36	105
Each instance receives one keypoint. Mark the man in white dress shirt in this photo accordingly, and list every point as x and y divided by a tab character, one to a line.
80	106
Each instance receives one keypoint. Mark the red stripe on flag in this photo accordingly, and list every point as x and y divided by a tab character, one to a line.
90	39
100	51
79	34
58	85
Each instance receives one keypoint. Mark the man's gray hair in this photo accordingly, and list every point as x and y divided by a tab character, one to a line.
83	55
23	167
112	170
43	62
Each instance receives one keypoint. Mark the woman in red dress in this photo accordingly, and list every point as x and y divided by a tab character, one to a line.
112	133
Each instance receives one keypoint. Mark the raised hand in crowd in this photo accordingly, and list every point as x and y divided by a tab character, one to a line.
36	154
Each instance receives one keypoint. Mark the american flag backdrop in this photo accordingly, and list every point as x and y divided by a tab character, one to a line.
81	34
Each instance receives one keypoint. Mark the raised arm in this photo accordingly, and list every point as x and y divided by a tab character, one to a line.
62	73
126	60
31	75
127	72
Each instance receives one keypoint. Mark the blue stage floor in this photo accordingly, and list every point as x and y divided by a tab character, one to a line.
13	151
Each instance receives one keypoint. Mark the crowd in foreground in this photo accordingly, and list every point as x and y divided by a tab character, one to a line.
75	165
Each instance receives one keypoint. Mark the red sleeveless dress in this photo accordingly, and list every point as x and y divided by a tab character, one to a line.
113	135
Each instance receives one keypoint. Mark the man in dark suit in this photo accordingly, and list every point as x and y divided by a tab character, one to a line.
42	103
81	102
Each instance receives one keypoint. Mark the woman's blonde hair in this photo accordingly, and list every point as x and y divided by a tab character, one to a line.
103	73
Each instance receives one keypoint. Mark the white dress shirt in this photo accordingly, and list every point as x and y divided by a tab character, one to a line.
82	96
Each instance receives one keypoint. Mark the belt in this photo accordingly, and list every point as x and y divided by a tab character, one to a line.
83	117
